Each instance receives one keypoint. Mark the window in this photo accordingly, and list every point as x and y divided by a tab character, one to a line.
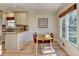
11	23
68	27
73	27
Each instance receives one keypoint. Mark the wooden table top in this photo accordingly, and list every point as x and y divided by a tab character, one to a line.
43	37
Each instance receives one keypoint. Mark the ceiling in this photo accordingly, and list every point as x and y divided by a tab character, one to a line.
30	7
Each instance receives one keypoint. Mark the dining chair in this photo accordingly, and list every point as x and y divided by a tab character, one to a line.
34	37
35	43
52	35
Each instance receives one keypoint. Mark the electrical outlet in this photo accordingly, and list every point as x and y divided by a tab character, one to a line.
63	44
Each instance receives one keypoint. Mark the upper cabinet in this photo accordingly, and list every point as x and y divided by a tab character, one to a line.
21	18
3	18
17	18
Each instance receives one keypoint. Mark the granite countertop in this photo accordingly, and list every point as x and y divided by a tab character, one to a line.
15	31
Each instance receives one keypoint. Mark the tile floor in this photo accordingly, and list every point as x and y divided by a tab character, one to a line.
29	50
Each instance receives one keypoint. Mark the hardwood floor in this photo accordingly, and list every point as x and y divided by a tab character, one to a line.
29	50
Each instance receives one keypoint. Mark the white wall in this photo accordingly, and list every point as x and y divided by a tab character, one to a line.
71	50
33	24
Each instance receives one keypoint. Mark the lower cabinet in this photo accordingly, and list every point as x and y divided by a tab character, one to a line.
15	41
20	41
10	41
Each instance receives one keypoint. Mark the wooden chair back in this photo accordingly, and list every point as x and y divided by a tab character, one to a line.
34	37
52	35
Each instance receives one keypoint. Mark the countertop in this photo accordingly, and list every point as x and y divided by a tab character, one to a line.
15	31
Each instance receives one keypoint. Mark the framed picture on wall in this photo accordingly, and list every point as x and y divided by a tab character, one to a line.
42	22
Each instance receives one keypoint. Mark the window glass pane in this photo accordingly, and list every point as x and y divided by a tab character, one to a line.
73	27
63	21
73	19
11	23
73	40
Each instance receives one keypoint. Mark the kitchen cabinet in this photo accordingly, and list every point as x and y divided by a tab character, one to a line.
21	18
10	41
15	41
22	39
3	18
17	18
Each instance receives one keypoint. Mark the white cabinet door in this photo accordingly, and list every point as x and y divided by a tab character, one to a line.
18	18
24	18
21	18
10	41
19	41
3	18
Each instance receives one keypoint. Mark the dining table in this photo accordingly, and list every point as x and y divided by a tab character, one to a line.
43	38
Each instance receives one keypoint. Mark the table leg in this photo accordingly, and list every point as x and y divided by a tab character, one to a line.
36	47
51	46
